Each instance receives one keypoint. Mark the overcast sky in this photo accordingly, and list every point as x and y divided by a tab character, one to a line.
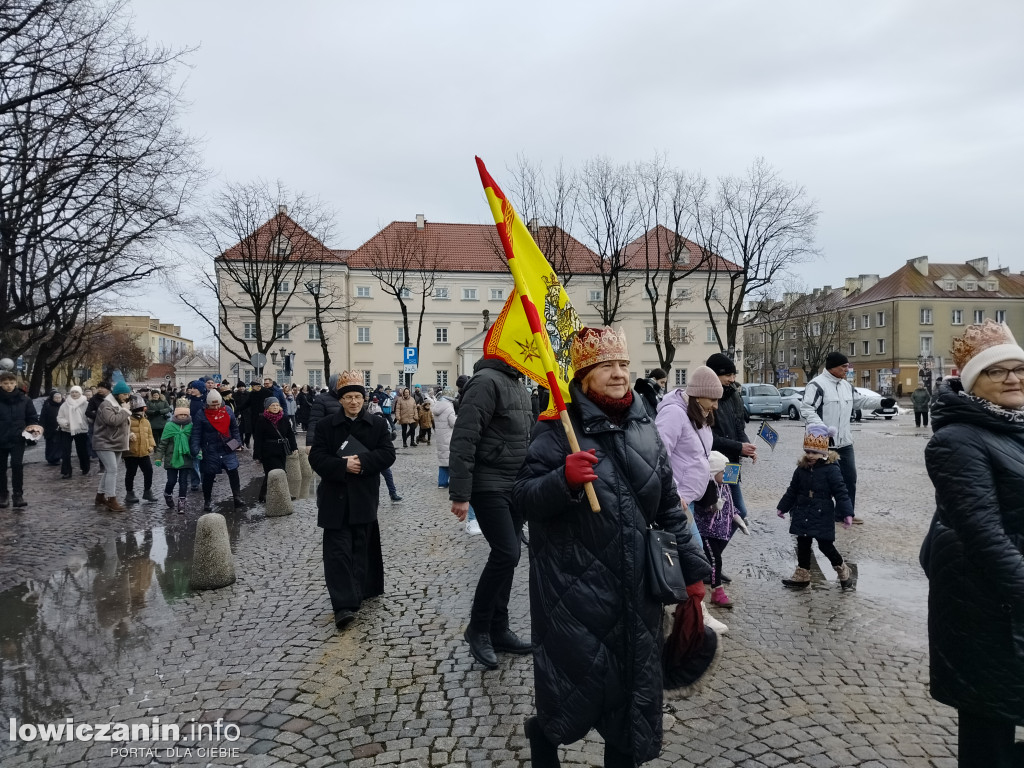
903	120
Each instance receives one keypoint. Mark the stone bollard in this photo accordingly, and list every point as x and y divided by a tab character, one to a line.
213	566
279	497
306	487
294	474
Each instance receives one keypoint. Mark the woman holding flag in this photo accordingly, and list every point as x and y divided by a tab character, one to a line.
597	631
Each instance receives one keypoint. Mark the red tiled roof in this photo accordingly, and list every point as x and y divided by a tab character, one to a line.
305	247
661	238
907	281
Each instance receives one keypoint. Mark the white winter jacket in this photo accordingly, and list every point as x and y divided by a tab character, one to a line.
444	422
71	416
836	400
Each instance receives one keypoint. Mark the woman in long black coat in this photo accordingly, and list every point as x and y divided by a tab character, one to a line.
274	439
597	632
973	554
48	418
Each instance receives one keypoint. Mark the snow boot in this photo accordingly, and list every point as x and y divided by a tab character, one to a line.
845	576
719	598
801	578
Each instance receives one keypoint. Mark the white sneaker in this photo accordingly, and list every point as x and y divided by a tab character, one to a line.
711	621
473	528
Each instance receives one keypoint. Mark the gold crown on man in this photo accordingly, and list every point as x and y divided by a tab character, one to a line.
591	346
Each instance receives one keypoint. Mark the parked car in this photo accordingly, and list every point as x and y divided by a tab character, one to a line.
791	399
885	413
761	400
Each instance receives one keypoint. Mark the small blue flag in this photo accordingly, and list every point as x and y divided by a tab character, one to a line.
768	434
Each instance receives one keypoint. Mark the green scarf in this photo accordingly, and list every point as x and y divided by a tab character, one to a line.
181	443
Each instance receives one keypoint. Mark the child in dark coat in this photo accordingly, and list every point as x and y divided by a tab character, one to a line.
816	499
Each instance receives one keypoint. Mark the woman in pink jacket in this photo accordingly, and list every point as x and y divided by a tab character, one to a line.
684	422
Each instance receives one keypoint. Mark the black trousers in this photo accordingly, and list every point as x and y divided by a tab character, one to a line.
133	464
848	468
502	526
827	548
274	461
714	548
81	442
345	565
985	743
233	481
15	453
409	433
920	418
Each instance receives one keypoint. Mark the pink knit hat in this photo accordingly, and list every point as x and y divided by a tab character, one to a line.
704	382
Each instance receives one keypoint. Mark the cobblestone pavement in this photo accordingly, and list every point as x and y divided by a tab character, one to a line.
97	624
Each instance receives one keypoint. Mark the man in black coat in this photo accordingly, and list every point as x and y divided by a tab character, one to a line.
17	415
350	449
488	446
241	408
729	429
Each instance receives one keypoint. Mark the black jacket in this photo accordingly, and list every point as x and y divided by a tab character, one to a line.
94	406
974	557
343	498
729	429
596	631
16	413
48	417
816	498
267	438
324	404
491	432
303	407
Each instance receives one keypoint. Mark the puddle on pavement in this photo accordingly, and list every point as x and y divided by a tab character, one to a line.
61	637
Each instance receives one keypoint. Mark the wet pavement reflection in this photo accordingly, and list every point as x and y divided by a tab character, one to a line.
62	637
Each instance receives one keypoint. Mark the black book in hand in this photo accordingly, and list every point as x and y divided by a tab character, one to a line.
351	447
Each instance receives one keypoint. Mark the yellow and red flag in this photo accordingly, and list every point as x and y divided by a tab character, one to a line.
537	323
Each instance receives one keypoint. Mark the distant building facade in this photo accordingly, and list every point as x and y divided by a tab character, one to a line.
163	342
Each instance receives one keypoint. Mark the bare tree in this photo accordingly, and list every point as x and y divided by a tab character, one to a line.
818	321
330	307
265	243
609	221
760	223
663	252
93	168
118	348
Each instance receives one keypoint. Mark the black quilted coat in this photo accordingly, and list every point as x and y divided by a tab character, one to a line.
973	557
816	498
596	632
729	428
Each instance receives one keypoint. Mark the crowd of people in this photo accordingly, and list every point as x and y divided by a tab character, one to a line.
633	458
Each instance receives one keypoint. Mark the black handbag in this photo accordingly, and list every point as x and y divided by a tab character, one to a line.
664	571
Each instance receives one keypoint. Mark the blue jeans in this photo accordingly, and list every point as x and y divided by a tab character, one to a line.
443	477
693	527
737	499
389	481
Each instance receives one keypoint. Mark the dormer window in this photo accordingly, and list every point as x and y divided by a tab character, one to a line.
949	285
992	286
970	285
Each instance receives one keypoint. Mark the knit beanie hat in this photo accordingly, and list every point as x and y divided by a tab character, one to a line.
121	388
704	383
722	365
982	346
181	407
77	389
269	402
832	359
816	438
213	396
717	462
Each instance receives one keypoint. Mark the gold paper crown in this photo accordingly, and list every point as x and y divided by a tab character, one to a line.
817	443
591	346
351	378
978	338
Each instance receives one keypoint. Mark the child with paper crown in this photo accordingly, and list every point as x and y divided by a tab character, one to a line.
816	499
715	515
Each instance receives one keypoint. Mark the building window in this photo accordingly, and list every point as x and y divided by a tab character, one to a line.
865	321
782	356
249	330
680	377
283	286
315	377
312	332
816	329
1000	315
401	334
281	331
948	285
979	316
469	294
362	291
363	334
853	323
867	347
596	294
958	317
366	378
405	293
792	332
249	375
497	294
440	292
712	336
792	356
926	317
853	349
649	334
683	294
441	335
970	285
880	319
442	379
926	346
880	345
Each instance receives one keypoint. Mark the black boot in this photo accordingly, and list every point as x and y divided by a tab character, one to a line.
3	500
131	498
147	495
19	500
481	648
543	754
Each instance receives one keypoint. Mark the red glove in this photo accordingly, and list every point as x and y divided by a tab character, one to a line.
579	468
696	591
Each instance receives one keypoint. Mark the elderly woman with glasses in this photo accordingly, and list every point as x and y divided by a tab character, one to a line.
973	554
